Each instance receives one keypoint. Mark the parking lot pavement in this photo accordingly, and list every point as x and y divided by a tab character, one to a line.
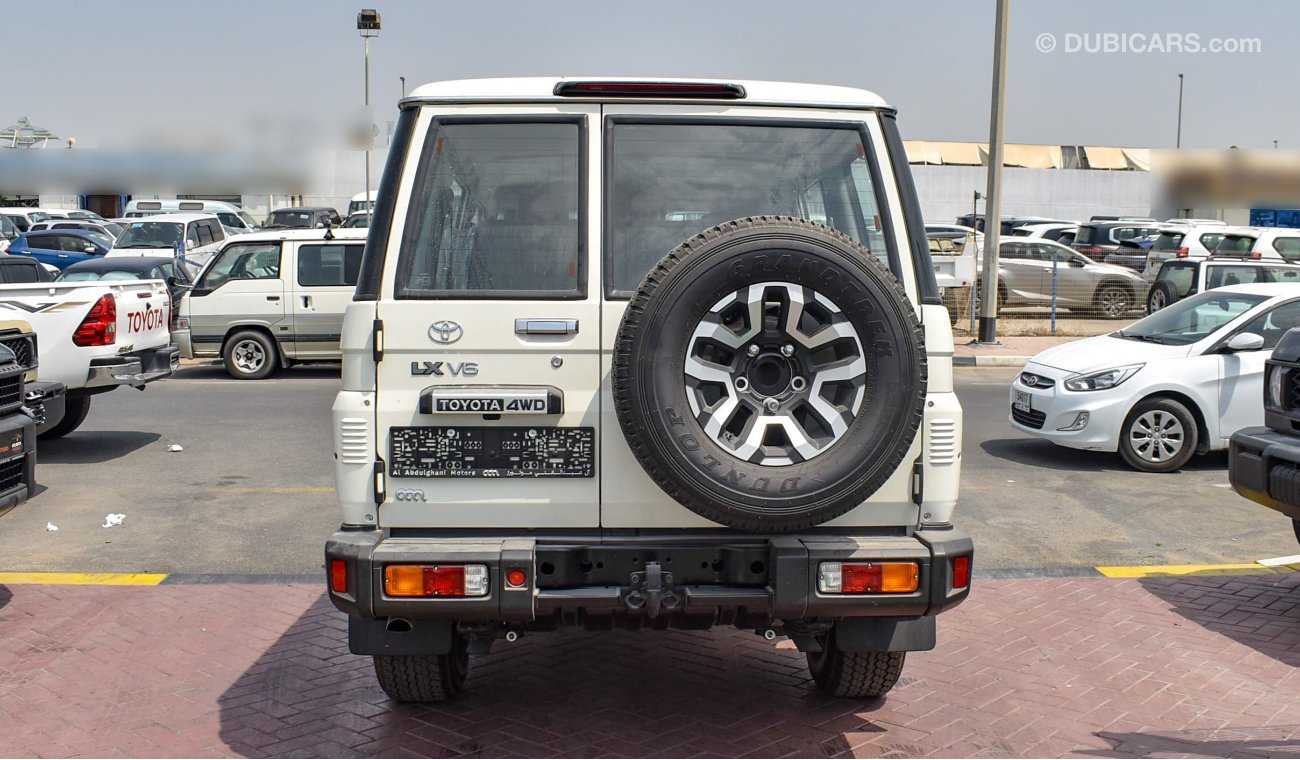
1199	666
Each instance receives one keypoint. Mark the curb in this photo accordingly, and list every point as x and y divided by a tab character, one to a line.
990	361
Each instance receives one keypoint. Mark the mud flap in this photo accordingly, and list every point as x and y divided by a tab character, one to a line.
885	634
419	637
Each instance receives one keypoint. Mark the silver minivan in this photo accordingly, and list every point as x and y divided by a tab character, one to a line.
270	299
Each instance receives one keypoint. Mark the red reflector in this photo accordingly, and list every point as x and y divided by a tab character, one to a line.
1182	253
516	577
338	576
1254	254
960	572
653	89
99	328
860	578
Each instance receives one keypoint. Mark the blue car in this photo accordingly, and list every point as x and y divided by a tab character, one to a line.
61	248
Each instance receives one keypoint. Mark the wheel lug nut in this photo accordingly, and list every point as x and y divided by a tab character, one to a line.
771	404
753	349
787	349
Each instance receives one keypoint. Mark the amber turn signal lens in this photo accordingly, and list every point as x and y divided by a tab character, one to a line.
404	580
899	577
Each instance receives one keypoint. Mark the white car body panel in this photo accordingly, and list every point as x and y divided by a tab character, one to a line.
1226	389
55	310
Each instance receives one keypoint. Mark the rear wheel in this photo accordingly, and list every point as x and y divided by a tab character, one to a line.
1160	435
854	674
250	355
75	409
424	678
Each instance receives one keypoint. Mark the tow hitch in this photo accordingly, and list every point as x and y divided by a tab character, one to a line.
651	590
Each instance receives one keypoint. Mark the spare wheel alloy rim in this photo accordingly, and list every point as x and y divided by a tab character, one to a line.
775	373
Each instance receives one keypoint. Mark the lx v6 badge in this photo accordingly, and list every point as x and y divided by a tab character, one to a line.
442	369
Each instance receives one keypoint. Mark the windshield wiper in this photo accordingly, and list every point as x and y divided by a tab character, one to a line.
1147	338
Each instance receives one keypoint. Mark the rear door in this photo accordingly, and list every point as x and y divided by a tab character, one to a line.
323	280
487	405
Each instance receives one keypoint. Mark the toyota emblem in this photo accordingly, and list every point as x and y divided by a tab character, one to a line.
445	332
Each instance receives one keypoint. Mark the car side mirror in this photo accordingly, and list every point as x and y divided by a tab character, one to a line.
90	249
190	245
1077	263
1245	342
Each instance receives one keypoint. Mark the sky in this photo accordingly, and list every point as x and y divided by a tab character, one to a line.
109	73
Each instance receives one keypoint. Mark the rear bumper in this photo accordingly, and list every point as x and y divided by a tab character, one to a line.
750	581
1264	466
134	369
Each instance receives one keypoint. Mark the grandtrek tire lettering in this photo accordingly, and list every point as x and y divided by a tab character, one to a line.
789	377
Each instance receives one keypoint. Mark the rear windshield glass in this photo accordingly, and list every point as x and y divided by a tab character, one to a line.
150	235
495	213
668	182
1085	235
1180	275
289	219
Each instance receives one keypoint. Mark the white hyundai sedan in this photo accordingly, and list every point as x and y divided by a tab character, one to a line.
1176	383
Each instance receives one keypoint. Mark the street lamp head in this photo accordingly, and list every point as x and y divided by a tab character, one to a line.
369	22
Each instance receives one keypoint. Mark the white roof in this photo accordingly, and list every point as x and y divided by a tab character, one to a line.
340	233
178	218
531	89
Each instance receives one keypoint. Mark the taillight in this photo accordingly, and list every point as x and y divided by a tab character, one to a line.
868	577
99	328
960	572
1182	253
436	580
1254	254
1092	249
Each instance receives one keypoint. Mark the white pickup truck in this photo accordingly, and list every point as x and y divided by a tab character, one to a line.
94	337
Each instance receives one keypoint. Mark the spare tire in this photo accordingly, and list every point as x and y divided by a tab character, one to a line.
769	374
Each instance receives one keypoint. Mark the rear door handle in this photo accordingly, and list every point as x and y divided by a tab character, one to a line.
546	327
273	298
306	302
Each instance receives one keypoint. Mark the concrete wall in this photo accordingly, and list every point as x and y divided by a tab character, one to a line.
945	192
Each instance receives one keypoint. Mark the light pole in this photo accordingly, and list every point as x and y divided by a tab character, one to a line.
993	195
403	86
1178	138
368	24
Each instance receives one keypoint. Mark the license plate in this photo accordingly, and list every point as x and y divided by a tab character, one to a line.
1023	402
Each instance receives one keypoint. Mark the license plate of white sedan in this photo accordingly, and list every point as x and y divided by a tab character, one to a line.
1023	402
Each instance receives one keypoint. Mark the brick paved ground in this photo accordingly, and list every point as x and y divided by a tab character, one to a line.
1089	667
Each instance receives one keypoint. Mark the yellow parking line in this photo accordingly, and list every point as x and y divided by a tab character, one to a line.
320	489
1148	571
83	579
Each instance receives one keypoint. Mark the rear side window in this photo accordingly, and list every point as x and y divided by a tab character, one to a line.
496	213
1211	239
1289	247
1284	274
326	265
1168	241
1085	235
244	261
667	182
1235	244
1220	277
21	272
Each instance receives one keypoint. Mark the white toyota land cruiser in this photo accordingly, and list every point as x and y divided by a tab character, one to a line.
646	353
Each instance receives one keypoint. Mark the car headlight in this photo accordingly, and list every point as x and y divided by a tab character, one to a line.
1103	380
1275	376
